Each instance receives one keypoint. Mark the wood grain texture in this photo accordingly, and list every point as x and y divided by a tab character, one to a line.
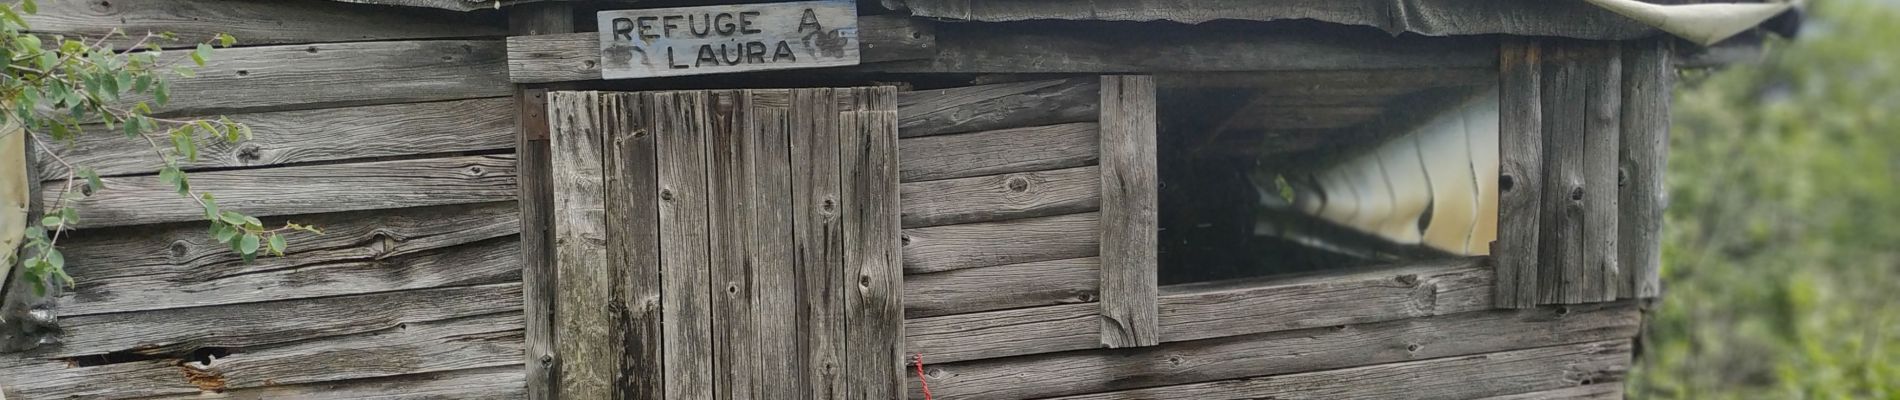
633	247
951	247
1130	206
1193	312
1424	17
1648	80
576	56
818	240
1444	378
997	106
1032	284
684	130
976	48
304	189
1600	391
177	265
294	137
495	383
583	319
775	292
1520	174
536	199
1002	151
1281	352
874	320
1001	197
1324	83
269	78
1560	249
255	23
729	205
1601	178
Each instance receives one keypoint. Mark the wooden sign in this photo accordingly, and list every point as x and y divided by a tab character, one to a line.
727	38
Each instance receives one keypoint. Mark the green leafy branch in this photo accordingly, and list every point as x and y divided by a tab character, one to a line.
55	88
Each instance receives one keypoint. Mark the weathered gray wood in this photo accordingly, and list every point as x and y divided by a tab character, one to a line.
254	23
818	241
305	190
1560	252
775	290
1425	17
633	247
239	326
1004	151
1001	287
978	48
1648	80
1520	173
729	207
1215	310
495	383
951	247
576	56
997	106
1130	205
1317	83
587	283
1001	197
536	199
1600	391
291	137
323	75
1283	352
1444	378
683	126
874	313
457	5
1603	105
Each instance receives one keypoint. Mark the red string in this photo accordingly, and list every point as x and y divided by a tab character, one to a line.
920	374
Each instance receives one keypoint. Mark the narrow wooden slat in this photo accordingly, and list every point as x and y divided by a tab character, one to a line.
576	56
997	106
1602	127
633	248
1281	352
1005	333
1057	48
582	315
1560	249
1444	378
1422	17
873	279
999	152
951	247
254	23
1001	287
304	190
538	277
1601	391
775	292
177	265
1001	197
498	383
1130	192
729	202
1520	173
291	137
339	74
818	241
682	125
1647	82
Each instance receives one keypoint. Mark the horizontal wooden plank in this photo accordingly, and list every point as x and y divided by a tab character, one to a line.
290	137
1282	352
339	74
494	383
576	56
1600	391
303	190
241	326
1156	48
1001	197
1445	378
256	23
1002	287
1426	17
1341	82
1003	151
952	247
1190	312
479	341
997	106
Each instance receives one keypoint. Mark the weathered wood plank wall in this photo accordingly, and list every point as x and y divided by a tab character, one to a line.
388	128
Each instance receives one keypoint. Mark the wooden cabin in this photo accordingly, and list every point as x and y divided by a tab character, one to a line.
990	199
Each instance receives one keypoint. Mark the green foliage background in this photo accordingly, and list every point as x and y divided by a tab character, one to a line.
1782	247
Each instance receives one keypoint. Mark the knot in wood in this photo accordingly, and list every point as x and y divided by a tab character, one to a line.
1576	194
1017	184
1506	182
179	249
666	195
249	152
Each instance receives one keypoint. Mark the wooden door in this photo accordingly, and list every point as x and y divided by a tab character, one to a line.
730	244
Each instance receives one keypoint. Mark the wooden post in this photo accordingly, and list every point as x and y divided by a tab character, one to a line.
1521	148
1129	212
730	182
1648	80
536	202
682	128
818	240
633	249
1602	104
1560	257
586	282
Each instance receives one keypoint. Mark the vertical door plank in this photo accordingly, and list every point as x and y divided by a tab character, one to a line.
633	216
1129	221
775	301
586	282
729	201
1647	82
683	130
1521	148
818	241
536	202
1560	254
873	262
1603	95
